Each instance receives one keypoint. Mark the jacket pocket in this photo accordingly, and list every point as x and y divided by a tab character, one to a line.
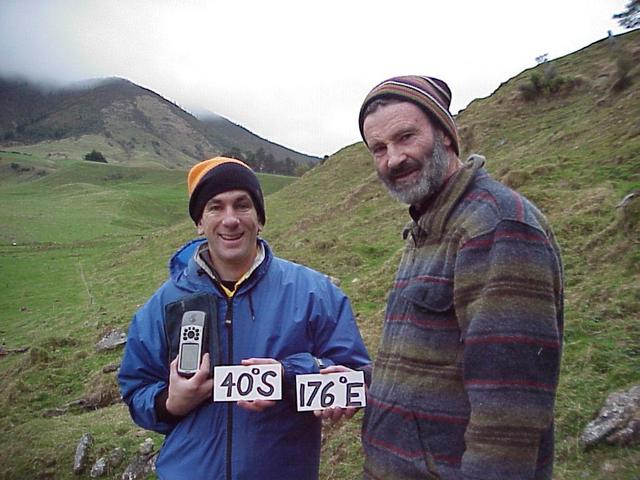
173	319
393	445
429	296
431	323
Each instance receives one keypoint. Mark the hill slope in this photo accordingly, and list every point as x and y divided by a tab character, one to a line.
576	153
127	123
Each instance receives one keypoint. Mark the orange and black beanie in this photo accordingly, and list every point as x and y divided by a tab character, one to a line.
218	175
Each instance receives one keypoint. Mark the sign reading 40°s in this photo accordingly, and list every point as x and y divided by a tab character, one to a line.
252	382
340	389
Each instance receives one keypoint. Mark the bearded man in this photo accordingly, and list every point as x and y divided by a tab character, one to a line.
465	378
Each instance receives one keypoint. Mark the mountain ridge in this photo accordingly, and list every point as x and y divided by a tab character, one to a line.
133	125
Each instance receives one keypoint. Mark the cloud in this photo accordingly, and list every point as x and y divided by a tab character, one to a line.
293	72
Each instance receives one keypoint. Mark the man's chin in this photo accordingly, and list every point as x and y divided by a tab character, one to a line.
409	195
406	192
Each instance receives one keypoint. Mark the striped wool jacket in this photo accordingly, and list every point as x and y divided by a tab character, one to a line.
465	378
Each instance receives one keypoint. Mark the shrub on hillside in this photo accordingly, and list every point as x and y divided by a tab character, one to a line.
622	79
530	90
549	83
95	156
19	168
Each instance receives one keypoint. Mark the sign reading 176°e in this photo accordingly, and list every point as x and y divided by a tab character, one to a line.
340	389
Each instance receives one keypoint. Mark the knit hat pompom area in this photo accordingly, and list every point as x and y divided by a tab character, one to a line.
218	175
429	93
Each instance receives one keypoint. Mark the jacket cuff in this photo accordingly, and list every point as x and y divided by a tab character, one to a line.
297	364
160	406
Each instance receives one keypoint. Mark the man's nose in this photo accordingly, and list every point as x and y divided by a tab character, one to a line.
395	156
230	218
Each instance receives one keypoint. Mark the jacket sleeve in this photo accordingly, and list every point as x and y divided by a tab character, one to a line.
144	372
508	298
335	335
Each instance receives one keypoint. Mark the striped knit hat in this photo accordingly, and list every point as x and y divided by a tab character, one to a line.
429	93
218	175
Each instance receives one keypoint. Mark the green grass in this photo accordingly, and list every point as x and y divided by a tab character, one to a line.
78	201
92	243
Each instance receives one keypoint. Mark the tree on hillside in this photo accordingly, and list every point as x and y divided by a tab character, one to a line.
288	167
95	156
263	162
544	58
234	153
630	18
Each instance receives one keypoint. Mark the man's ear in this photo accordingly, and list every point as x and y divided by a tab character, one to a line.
446	139
200	228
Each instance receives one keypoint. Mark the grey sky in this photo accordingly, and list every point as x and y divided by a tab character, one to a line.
293	71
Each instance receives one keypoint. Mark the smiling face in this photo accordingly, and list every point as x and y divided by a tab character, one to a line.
413	159
230	224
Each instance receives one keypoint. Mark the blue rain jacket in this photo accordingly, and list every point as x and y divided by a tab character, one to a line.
283	311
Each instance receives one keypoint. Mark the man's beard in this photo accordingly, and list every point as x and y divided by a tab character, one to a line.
431	178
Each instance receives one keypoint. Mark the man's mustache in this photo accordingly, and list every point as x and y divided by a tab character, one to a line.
404	168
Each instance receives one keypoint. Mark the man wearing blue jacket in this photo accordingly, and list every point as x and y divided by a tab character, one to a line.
259	309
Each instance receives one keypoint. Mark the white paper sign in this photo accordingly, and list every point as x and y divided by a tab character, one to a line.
252	382
320	391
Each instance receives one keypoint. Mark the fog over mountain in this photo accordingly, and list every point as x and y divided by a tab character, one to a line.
131	124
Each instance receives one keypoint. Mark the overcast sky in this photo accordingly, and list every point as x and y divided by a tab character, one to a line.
293	71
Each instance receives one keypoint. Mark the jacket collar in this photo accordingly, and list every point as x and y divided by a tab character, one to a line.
186	273
203	259
433	216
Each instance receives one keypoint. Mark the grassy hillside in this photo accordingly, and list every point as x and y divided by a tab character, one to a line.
65	283
575	153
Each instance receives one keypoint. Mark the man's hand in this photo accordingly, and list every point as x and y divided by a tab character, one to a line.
335	414
257	405
187	393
